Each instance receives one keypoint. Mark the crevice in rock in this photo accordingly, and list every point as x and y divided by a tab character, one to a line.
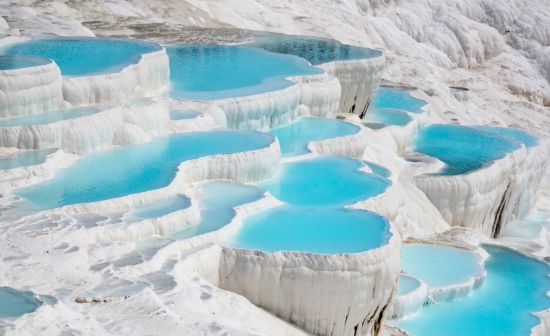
497	224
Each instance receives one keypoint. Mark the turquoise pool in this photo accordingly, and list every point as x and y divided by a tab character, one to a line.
160	208
396	98
388	116
314	49
207	72
319	230
26	158
18	62
216	202
49	117
14	303
463	149
406	284
136	168
83	56
183	114
525	138
312	182
515	287
430	263
295	137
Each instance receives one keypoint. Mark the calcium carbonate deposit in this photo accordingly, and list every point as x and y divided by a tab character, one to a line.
251	167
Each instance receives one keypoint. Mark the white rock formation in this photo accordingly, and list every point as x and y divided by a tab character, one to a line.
409	303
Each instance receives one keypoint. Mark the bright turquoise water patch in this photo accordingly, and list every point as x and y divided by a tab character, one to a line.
295	137
216	202
406	284
83	55
183	114
314	49
161	208
395	98
14	303
25	158
136	168
525	138
463	148
430	263
206	72
388	116
49	117
18	62
319	230
379	170
515	287
324	181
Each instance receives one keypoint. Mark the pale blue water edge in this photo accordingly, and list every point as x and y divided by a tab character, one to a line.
50	116
515	287
318	230
312	182
160	208
207	72
463	149
388	116
14	303
183	114
18	62
406	284
136	168
80	56
395	98
26	158
295	137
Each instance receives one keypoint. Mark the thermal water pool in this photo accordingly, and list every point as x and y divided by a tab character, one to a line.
136	168
14	303
406	284
311	182
515	287
388	116
318	230
462	148
18	62
49	117
80	56
160	208
207	72
25	158
431	264
216	202
395	98
295	137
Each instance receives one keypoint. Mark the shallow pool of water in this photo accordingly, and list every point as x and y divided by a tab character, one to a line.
461	148
18	62
136	168
431	264
406	284
295	137
49	117
519	135
216	202
515	287
183	114
328	180
84	55
25	158
319	230
160	208
388	116
14	303
207	72
396	98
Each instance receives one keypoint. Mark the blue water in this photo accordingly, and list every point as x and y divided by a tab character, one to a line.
463	148
319	230
206	72
406	284
183	114
379	170
83	55
314	49
161	207
395	98
515	287
217	200
136	168
430	263
49	117
18	62
327	180
25	158
525	138
295	137
14	303
388	116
